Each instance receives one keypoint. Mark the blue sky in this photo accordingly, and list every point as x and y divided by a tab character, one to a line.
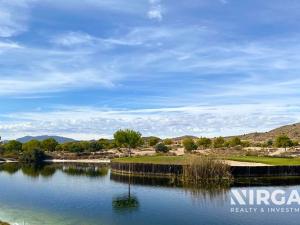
84	68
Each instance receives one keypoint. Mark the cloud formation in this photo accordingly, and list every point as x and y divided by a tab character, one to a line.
93	123
188	67
155	11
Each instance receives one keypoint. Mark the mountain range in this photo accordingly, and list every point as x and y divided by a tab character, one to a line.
59	139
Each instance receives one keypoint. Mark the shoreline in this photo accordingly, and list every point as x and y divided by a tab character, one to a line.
78	160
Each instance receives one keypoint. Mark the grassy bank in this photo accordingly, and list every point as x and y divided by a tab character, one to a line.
275	161
170	160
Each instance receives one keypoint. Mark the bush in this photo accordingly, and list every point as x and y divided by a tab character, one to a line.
13	146
168	141
235	141
189	144
30	145
33	156
204	142
218	142
161	147
49	144
152	141
283	141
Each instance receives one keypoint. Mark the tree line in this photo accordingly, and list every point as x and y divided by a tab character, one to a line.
131	139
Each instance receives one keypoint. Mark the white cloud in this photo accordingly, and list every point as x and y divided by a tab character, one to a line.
14	16
155	12
73	38
9	45
90	123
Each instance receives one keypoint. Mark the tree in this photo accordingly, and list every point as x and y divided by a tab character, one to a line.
168	141
104	143
204	142
49	144
246	144
13	146
283	141
74	147
95	146
30	145
128	138
152	141
161	147
269	143
235	141
218	142
33	156
189	144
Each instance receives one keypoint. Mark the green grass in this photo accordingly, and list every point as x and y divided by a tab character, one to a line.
181	160
275	161
173	160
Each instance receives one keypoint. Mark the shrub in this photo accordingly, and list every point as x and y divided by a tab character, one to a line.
33	156
235	141
161	147
218	142
283	141
204	142
168	141
13	146
30	145
49	144
152	141
246	144
189	144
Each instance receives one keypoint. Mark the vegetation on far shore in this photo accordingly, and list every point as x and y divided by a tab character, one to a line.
126	140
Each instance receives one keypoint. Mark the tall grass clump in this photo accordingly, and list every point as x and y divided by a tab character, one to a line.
204	169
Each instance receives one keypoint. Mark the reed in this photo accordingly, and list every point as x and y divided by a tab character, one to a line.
204	169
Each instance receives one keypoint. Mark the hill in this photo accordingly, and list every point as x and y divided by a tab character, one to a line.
292	131
59	139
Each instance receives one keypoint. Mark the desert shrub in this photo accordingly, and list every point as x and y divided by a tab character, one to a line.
218	142
168	141
235	141
152	141
189	144
161	147
283	141
204	142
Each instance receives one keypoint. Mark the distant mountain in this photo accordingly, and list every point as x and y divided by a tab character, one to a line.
59	139
292	131
179	139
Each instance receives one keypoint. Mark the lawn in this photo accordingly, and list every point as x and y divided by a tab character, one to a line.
181	160
173	160
275	161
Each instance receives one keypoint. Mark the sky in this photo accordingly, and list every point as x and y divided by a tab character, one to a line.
85	68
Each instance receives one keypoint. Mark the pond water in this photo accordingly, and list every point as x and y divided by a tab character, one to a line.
85	195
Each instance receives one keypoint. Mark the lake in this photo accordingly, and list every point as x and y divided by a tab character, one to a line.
74	194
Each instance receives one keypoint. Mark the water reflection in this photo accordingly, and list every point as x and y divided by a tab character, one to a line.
48	170
203	191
